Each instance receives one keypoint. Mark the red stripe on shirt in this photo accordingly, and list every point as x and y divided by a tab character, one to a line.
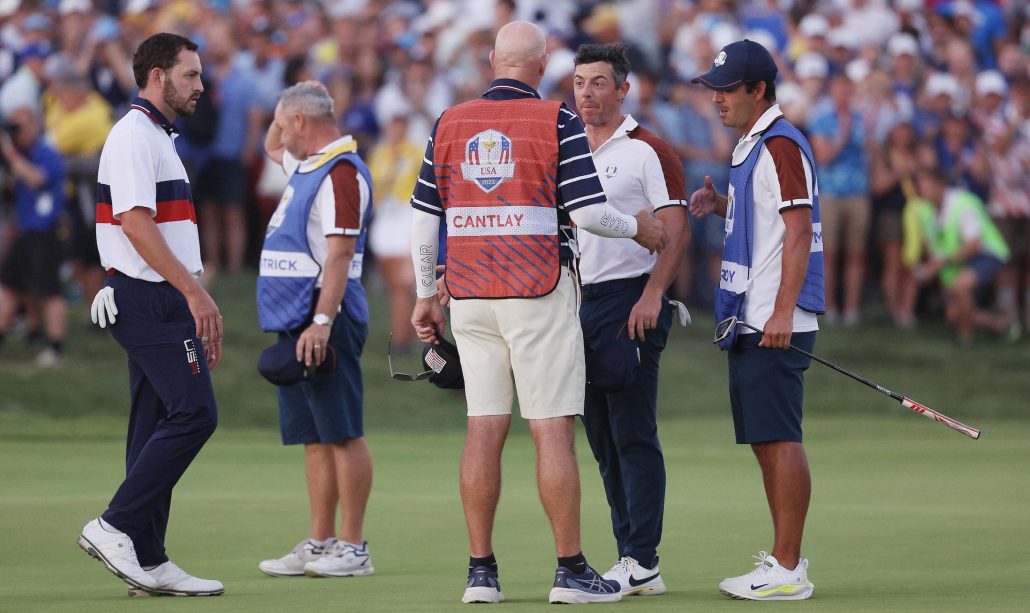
175	210
786	155
675	181
347	194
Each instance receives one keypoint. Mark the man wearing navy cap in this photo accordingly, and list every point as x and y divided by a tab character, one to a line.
771	278
22	89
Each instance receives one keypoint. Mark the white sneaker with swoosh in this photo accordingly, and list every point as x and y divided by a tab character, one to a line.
634	579
770	581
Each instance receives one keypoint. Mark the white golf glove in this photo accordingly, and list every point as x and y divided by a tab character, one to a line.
681	312
103	310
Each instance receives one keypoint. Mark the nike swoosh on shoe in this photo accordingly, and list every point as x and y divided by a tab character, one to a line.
633	581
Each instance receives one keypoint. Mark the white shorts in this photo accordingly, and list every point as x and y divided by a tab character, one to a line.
390	233
538	341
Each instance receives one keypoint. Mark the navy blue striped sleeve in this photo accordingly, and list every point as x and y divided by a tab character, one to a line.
578	184
426	197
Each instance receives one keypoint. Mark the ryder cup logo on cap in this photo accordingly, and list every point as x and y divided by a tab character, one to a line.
738	63
488	160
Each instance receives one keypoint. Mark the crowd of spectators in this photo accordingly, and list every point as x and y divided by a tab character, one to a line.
882	87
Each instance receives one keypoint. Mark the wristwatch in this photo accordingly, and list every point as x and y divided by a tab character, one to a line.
322	319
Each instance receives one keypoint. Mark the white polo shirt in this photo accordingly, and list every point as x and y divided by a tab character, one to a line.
340	205
637	170
782	179
140	168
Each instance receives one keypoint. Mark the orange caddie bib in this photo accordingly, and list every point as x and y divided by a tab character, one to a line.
495	163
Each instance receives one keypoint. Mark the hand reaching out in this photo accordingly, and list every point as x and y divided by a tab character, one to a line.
704	200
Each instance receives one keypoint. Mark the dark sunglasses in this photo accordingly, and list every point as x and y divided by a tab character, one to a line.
401	376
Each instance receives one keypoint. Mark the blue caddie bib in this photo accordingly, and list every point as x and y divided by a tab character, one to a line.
288	272
738	244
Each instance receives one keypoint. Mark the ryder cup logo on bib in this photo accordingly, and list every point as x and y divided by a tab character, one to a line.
730	202
280	211
488	160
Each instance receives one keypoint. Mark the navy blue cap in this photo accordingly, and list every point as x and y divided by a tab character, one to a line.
444	361
40	50
744	61
279	363
612	367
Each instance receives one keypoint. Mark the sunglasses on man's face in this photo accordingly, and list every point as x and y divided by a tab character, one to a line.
401	376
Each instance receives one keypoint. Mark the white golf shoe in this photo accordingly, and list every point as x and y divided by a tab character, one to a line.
342	560
170	580
770	581
634	579
116	552
292	564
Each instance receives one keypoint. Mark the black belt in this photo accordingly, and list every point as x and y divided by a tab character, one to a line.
112	272
596	290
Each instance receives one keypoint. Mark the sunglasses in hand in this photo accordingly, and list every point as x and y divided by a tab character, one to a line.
401	376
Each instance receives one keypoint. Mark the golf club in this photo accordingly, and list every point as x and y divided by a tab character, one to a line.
722	330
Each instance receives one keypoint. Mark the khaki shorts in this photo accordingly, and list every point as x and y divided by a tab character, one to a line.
845	222
532	345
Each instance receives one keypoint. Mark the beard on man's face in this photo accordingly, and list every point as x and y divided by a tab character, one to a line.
180	105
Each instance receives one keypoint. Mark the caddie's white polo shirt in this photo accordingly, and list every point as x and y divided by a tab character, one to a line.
637	170
782	179
140	168
340	204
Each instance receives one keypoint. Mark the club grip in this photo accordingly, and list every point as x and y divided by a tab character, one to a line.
954	424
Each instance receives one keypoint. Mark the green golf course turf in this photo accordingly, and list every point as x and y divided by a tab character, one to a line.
906	515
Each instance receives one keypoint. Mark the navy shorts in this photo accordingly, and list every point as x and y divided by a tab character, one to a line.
328	408
986	268
767	388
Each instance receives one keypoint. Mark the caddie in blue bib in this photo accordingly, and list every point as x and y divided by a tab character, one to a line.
288	271
738	266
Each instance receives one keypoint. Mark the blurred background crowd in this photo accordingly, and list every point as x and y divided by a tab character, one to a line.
885	89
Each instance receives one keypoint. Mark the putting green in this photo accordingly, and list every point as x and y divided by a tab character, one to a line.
906	516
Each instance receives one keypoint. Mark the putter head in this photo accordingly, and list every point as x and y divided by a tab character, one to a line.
723	329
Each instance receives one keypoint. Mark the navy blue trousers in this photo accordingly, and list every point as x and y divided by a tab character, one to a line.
622	428
173	408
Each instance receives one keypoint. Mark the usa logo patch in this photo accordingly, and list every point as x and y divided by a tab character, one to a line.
280	211
488	160
191	356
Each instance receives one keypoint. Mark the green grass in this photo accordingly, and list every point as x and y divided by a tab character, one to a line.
968	383
906	514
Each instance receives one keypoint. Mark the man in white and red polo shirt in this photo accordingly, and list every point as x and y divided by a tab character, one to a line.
167	323
625	314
